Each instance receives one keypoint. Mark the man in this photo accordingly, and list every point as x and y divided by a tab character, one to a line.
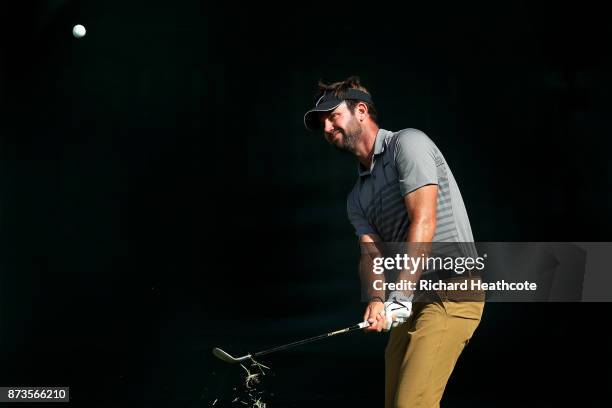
405	192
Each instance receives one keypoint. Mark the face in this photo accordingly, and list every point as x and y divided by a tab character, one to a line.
341	128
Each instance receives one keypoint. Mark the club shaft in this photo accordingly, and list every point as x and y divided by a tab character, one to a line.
311	339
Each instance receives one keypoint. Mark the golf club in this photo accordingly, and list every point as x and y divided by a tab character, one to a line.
228	358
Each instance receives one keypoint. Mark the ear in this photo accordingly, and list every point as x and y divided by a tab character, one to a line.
361	110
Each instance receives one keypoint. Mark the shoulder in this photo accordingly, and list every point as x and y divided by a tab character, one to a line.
410	136
410	142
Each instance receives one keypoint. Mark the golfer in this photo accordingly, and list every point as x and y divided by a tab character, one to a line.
405	192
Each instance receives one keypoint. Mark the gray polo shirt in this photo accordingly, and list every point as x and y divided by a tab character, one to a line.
403	162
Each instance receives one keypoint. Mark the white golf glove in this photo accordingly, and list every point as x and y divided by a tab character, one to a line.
397	309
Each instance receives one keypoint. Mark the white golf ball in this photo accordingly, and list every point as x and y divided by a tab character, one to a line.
78	31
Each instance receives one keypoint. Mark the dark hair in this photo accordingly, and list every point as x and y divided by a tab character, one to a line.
339	90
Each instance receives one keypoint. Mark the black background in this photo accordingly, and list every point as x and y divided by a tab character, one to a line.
160	196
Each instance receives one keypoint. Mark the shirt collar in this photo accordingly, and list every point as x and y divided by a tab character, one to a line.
379	148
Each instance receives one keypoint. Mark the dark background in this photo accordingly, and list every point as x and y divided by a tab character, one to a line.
159	195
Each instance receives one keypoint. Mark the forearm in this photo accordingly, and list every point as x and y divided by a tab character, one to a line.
421	231
374	313
368	277
419	237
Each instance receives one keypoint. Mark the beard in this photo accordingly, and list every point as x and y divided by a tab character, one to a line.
350	136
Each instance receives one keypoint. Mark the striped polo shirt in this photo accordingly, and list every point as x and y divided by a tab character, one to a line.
403	162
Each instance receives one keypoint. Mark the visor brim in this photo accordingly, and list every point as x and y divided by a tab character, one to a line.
311	118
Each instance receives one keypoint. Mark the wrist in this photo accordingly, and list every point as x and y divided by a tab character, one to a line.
400	296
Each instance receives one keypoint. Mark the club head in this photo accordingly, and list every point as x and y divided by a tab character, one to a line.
222	355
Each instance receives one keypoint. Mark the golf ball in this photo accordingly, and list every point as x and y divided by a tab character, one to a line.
78	31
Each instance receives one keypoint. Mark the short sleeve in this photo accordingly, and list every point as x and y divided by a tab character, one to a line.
415	159
357	217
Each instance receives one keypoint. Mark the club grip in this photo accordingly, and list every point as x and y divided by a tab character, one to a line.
364	324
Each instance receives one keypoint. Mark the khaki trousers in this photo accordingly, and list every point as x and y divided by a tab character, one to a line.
422	352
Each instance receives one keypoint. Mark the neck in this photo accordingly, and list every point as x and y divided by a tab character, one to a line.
365	147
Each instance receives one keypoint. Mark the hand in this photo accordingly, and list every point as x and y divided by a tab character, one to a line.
396	312
374	314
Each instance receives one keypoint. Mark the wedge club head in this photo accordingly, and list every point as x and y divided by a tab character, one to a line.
222	355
